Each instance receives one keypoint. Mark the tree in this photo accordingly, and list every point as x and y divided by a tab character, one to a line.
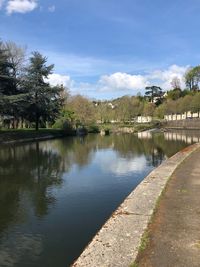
104	112
83	109
192	78
171	106
154	93
14	97
160	111
176	83
137	106
124	109
6	74
195	104
174	94
7	82
184	104
149	109
16	57
44	101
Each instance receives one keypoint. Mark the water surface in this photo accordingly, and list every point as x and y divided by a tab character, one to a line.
55	195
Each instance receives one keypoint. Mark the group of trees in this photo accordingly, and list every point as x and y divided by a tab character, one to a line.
190	102
156	103
28	100
26	97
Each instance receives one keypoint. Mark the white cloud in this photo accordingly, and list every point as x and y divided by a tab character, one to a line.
51	8
21	6
164	77
120	81
58	79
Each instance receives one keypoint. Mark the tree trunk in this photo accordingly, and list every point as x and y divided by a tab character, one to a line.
36	122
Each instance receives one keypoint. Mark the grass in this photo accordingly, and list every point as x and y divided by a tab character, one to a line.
143	245
144	241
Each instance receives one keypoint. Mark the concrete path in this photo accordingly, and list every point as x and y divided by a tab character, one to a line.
174	234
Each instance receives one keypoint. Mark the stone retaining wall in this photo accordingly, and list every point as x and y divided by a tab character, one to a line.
184	124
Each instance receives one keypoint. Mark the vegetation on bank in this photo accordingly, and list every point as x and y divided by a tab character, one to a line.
13	135
27	100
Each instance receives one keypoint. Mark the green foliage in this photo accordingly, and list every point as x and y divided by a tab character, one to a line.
192	78
144	241
81	108
154	93
28	98
160	111
44	101
63	124
93	128
6	73
174	94
195	103
148	109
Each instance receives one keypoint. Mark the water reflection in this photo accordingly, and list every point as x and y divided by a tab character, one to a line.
25	244
47	188
189	136
27	172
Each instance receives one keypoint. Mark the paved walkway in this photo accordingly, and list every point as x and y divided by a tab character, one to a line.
174	235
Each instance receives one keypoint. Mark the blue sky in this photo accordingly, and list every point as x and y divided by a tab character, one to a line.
107	48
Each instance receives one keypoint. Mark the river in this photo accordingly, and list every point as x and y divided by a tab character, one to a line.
55	195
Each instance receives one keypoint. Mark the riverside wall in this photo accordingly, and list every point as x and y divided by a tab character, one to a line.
184	124
118	242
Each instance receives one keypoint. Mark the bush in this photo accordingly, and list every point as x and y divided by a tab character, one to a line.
64	125
93	129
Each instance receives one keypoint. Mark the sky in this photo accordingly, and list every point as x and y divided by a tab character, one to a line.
104	49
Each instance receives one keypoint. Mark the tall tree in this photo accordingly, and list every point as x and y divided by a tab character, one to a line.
16	57
154	93
192	78
15	98
6	74
7	81
148	109
44	101
176	83
83	109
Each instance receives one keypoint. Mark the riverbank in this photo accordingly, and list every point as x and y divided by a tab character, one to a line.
188	124
17	136
130	128
124	234
25	135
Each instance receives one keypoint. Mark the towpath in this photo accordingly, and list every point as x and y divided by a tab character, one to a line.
174	234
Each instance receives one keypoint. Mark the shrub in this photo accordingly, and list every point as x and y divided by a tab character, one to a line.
93	128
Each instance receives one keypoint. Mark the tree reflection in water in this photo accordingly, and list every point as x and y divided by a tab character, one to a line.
27	174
